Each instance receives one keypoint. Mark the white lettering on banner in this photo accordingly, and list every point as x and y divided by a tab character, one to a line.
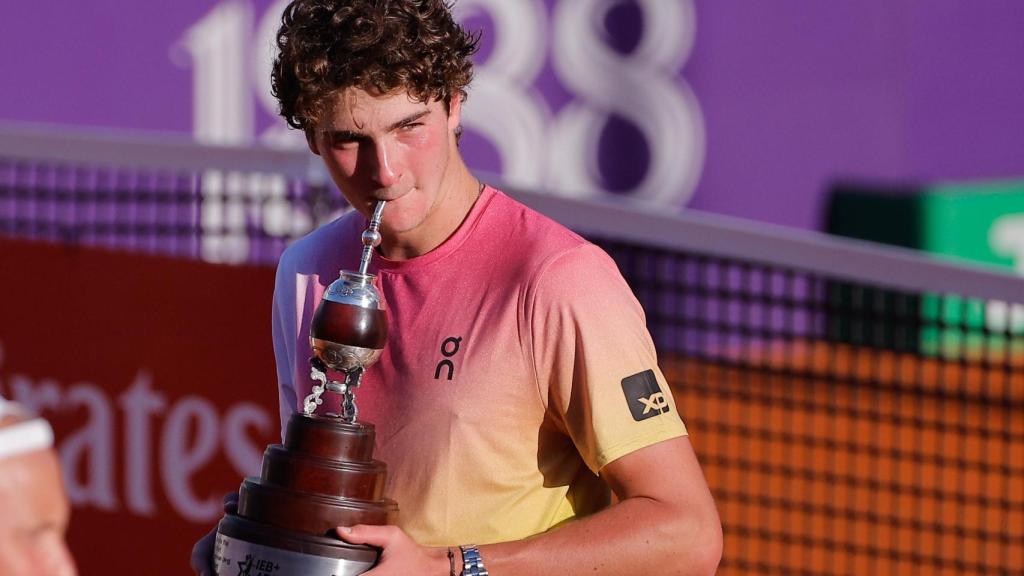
506	106
45	395
244	455
88	455
139	403
178	461
642	87
217	49
87	449
92	443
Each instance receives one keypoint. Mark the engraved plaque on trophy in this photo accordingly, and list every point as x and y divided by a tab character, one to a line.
324	474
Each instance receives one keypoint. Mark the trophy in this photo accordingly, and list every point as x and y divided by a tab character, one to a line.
324	474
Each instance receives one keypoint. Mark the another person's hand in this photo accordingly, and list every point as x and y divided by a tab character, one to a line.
400	556
202	552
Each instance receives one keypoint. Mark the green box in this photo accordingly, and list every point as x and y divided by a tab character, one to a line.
983	222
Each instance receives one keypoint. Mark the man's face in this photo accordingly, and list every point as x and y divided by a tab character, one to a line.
34	517
390	147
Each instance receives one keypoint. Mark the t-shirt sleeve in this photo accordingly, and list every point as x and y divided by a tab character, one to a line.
283	331
596	363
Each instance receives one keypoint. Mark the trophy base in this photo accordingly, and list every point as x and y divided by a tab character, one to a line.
246	547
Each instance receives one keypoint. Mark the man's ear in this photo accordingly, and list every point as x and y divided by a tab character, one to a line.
454	111
311	141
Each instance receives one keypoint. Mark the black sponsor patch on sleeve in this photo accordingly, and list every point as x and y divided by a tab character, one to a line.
644	395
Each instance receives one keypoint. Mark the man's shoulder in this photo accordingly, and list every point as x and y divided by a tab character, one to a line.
531	233
547	254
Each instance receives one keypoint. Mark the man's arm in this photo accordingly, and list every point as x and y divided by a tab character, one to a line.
664	523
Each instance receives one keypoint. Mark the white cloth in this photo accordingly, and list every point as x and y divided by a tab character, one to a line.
24	436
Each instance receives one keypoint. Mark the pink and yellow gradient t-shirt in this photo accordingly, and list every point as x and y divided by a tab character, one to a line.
518	364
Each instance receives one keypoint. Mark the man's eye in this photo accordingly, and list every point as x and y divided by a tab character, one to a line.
412	125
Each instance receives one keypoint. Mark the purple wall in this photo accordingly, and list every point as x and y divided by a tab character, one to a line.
796	93
788	94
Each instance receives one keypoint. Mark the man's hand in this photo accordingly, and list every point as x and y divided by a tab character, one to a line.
202	552
400	556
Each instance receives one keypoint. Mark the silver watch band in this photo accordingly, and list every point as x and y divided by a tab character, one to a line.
472	563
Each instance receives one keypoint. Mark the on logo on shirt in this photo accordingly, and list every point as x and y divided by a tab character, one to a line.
449	348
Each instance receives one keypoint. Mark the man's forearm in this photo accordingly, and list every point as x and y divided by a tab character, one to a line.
636	536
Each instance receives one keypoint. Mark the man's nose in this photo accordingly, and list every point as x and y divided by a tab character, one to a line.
385	167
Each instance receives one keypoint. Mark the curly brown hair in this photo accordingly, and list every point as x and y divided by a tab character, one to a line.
383	45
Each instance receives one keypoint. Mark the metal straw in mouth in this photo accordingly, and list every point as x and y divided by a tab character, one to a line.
371	236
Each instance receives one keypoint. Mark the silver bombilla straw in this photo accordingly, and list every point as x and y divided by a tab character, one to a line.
371	236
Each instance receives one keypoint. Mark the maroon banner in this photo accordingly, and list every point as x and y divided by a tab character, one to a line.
158	377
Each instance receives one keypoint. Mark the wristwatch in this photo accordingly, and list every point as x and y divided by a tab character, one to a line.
472	563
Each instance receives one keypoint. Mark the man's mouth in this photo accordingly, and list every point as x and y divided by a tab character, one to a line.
388	195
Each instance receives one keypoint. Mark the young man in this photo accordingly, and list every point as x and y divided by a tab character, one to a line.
509	397
34	510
